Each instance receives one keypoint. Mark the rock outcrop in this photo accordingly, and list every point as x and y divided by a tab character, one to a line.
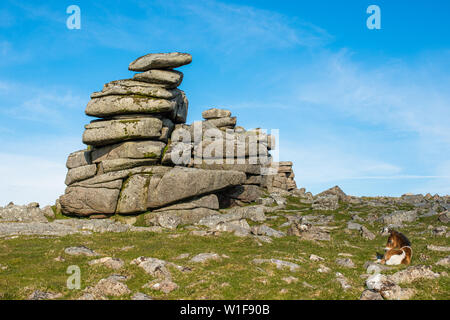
141	156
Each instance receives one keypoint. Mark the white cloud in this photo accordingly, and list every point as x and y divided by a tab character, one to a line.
206	24
42	104
403	96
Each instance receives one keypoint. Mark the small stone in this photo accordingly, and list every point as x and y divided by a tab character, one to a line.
82	250
343	281
111	287
204	257
348	263
113	263
315	258
366	234
165	286
438	248
370	295
280	264
323	269
444	261
42	295
141	296
182	256
290	279
153	266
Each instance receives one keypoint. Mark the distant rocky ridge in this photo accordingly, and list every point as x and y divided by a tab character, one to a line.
139	159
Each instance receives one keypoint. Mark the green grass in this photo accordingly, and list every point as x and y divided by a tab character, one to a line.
31	263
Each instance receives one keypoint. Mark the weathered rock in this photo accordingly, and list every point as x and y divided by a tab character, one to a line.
48	212
366	233
141	296
397	293
165	286
353	226
379	282
290	279
204	257
413	273
80	173
132	87
399	217
343	281
153	266
111	287
444	217
108	106
254	213
370	295
168	78
182	183
347	262
113	263
129	150
99	133
240	228
160	61
433	247
133	196
308	232
15	213
75	251
372	268
315	258
264	230
280	264
323	269
215	113
78	159
42	295
69	226
171	219
327	202
444	262
86	201
209	201
123	164
248	168
227	122
336	191
245	193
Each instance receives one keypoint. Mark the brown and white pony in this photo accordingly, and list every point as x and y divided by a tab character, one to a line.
398	249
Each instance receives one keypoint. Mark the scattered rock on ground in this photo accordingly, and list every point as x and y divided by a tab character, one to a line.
82	250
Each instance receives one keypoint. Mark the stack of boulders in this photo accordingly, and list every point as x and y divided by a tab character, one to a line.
284	178
141	155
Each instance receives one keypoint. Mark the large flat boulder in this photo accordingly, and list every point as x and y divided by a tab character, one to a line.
100	133
78	158
183	183
133	87
80	173
168	78
120	104
215	113
130	149
124	163
83	201
160	61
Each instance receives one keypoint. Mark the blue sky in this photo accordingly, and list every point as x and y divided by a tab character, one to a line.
368	110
